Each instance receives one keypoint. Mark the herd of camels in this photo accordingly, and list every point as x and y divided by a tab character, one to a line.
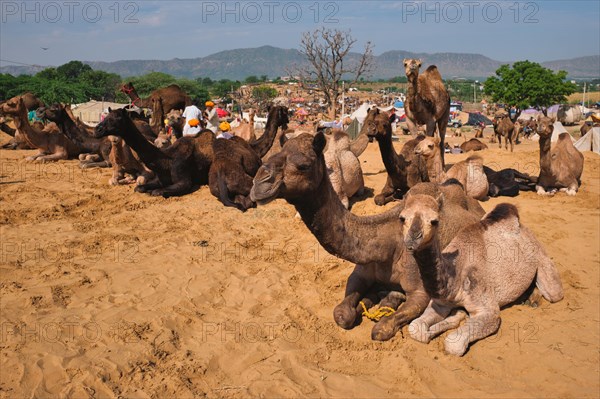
428	252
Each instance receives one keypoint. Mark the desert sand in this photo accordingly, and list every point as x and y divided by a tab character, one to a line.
108	293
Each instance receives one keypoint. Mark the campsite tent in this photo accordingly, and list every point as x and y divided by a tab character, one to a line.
589	142
558	130
91	111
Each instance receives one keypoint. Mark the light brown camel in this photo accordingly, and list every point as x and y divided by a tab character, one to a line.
479	132
173	97
405	169
246	128
127	169
19	140
469	172
343	167
504	127
561	164
299	174
473	145
427	101
464	274
52	144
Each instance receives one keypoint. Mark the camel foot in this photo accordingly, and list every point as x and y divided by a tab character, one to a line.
419	331
345	316
540	191
456	345
571	192
534	299
380	200
32	158
384	330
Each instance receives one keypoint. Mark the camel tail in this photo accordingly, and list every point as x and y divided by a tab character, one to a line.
224	192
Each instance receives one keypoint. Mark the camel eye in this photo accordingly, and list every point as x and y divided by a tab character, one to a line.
402	219
435	222
430	146
303	166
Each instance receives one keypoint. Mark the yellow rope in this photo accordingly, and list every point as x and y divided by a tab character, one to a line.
377	314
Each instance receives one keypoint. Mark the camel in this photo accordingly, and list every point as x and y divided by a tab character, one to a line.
124	162
508	182
427	100
52	144
19	140
173	97
468	172
479	132
464	275
343	167
246	128
404	169
178	168
586	127
99	148
503	127
176	122
561	164
299	174
473	145
236	162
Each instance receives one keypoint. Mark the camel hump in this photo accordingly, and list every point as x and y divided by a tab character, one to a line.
433	71
475	159
503	213
564	136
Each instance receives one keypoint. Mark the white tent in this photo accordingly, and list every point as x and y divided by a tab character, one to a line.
361	112
590	142
558	130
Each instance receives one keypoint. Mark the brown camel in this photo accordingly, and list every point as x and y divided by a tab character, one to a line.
99	148
298	174
427	100
464	275
125	163
503	127
586	127
52	144
473	145
176	122
246	128
404	169
561	164
19	140
468	172
178	168
236	162
479	132
173	97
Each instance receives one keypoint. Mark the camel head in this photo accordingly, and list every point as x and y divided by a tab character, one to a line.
127	88
13	106
114	140
280	115
428	146
55	113
376	125
420	220
545	126
116	123
411	66
294	173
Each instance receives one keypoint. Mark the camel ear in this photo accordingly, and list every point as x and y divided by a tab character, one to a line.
436	139
553	120
109	110
440	199
420	61
319	143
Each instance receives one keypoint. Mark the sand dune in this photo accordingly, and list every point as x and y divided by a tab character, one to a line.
110	293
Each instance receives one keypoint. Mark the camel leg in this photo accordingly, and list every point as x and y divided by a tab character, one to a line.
36	156
386	192
541	191
52	157
419	328
412	127
441	125
348	311
393	300
387	327
548	280
481	323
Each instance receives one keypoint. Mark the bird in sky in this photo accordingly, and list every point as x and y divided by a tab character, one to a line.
44	48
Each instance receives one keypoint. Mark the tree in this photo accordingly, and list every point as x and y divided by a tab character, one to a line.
528	84
263	94
329	59
251	79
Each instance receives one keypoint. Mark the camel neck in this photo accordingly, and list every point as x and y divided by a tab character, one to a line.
436	272
545	156
359	145
262	145
148	153
388	154
36	137
339	231
70	129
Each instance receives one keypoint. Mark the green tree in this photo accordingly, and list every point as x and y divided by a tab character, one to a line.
528	84
72	70
263	94
251	79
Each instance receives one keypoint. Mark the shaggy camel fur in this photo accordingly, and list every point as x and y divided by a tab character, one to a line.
178	168
124	162
503	127
343	167
468	172
236	162
561	164
404	169
52	144
298	174
473	145
464	275
427	100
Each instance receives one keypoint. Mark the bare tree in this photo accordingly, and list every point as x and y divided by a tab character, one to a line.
328	62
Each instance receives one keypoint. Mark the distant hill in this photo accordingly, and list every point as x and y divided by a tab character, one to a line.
273	62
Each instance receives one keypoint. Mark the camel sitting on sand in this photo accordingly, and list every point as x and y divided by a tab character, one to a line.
464	275
125	163
561	164
473	145
468	172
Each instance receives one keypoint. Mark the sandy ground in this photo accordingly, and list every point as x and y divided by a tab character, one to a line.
110	293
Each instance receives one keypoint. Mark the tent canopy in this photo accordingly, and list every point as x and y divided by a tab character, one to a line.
589	142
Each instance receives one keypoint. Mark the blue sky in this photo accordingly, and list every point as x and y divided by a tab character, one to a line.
113	30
